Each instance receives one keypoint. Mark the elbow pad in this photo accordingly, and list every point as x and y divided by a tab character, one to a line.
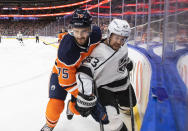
84	83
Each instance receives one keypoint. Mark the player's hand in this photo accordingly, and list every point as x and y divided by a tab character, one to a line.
99	113
84	104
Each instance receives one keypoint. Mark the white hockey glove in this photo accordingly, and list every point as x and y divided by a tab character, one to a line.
85	103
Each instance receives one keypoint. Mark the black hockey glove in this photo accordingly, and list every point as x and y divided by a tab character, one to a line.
129	65
84	104
99	113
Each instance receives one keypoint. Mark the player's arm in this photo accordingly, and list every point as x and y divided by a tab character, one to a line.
66	76
85	75
86	101
66	65
84	78
59	37
85	83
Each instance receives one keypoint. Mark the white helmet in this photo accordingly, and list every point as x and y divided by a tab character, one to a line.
119	27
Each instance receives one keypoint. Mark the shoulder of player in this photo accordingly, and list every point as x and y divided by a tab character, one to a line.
100	51
67	41
62	33
97	57
96	34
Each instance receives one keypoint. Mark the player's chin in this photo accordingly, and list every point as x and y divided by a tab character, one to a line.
81	42
116	48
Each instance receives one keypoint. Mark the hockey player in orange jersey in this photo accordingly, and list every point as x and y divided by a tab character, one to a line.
73	49
61	34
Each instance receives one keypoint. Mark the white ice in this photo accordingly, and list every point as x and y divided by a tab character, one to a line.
24	77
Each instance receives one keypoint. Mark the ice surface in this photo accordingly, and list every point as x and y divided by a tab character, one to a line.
24	76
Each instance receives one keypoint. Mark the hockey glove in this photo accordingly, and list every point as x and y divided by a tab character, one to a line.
84	104
99	113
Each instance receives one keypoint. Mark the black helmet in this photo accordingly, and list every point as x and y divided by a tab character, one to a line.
81	18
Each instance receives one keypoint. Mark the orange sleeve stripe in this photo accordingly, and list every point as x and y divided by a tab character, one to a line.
54	70
68	87
61	35
50	125
51	122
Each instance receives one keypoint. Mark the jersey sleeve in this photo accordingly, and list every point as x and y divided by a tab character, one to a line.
84	78
67	53
59	36
66	63
88	66
96	34
84	83
66	75
85	75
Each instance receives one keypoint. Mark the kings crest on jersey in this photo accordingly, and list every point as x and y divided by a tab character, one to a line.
70	55
107	67
123	63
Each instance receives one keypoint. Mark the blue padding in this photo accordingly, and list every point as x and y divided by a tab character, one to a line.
159	93
166	109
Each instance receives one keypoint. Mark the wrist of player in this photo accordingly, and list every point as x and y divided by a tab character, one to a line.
99	113
85	103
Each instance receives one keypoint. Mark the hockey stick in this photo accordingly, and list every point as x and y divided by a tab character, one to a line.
50	43
131	107
97	95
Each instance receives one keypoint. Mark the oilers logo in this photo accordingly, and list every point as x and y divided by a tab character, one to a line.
80	15
122	64
52	87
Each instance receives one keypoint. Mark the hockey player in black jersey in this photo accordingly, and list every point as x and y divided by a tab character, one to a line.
108	67
37	37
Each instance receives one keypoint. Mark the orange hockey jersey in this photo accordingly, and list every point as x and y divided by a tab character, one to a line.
70	56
